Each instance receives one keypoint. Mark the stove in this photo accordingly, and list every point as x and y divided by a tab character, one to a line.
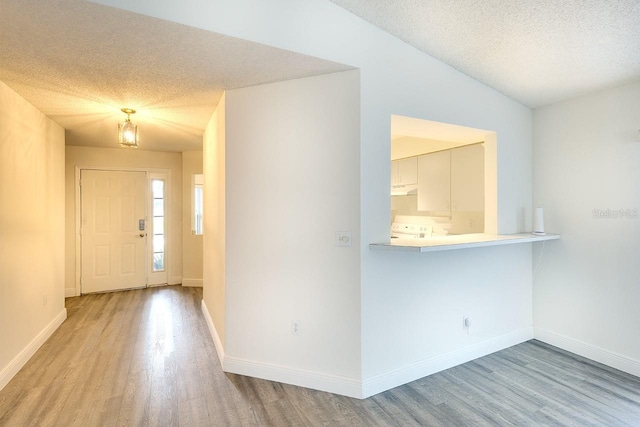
410	231
419	227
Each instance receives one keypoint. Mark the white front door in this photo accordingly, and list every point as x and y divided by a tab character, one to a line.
113	209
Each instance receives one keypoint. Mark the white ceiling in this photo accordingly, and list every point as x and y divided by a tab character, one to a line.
412	137
535	51
402	126
80	63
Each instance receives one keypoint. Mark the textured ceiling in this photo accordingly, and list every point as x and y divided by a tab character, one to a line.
79	63
535	51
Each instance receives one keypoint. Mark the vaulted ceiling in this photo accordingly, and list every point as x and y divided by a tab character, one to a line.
80	62
537	52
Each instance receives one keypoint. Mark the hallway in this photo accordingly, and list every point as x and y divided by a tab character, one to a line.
141	357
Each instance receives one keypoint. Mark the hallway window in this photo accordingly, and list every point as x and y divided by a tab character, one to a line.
157	186
198	181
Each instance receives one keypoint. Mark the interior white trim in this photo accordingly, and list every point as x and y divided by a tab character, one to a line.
314	380
423	368
78	228
78	168
597	354
159	277
318	381
9	371
353	387
70	292
196	283
214	334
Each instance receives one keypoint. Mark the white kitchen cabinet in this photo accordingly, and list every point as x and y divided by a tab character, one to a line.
434	181
408	171
394	172
467	178
404	171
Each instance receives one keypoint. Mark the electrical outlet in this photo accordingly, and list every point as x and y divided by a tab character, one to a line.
44	299
295	327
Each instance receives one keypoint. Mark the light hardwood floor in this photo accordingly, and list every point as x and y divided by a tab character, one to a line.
145	357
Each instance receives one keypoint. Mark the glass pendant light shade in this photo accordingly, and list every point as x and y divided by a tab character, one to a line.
127	131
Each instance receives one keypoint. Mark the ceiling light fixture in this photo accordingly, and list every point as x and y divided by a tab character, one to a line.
127	131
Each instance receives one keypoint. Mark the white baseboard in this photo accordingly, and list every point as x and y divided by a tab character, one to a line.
354	387
9	371
70	292
212	331
423	368
314	380
363	389
195	283
175	280
606	357
299	377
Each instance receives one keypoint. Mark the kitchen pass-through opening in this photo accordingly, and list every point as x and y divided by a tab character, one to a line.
443	179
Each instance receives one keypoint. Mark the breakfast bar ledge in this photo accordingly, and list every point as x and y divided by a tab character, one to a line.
461	241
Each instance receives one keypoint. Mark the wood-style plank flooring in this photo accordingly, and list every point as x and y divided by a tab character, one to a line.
145	358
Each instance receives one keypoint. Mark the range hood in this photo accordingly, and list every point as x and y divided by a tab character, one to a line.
404	190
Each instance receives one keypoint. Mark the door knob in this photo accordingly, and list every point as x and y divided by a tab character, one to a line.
141	235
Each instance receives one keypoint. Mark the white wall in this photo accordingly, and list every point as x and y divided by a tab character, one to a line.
124	158
31	230
396	79
292	152
191	243
214	233
587	289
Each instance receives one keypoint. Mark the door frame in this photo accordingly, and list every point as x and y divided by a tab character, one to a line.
78	216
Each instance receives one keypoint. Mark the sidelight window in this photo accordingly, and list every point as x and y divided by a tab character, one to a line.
197	205
158	192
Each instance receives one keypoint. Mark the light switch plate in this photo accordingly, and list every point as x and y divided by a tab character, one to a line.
343	238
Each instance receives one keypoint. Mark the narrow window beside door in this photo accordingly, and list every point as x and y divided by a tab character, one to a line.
157	186
197	210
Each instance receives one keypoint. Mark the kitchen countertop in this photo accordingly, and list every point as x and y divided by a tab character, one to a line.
461	241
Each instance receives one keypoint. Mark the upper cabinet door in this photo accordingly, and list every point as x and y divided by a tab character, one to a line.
408	171
467	178
394	173
434	184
